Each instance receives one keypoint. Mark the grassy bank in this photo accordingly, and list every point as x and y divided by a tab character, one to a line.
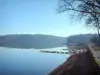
98	62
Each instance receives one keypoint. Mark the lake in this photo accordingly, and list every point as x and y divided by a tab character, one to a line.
29	61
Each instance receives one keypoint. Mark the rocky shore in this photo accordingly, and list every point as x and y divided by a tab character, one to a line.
81	63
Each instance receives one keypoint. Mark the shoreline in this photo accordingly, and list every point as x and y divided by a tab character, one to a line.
81	63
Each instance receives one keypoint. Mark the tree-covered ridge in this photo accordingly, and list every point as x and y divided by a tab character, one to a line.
79	39
31	41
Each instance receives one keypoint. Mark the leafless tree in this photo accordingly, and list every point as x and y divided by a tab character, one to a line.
89	10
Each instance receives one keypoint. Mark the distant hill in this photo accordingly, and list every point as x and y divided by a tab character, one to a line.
40	41
77	39
37	41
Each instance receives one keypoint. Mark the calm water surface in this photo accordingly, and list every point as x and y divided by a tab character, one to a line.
29	61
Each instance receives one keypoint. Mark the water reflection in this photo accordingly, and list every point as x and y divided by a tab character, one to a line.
29	61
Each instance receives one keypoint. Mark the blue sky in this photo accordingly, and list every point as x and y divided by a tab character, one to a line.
37	17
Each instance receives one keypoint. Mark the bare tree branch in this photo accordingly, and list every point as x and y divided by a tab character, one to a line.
85	8
80	11
88	3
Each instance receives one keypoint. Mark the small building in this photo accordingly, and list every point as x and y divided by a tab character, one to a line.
76	46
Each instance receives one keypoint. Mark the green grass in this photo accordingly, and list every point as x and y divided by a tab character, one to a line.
98	62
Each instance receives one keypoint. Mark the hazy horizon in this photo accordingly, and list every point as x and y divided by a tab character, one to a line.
37	17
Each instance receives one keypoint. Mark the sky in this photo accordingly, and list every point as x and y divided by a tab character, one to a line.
37	17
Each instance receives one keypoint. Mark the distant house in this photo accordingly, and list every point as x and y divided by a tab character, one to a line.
76	46
71	46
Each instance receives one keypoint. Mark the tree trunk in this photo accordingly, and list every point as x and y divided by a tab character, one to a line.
98	32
